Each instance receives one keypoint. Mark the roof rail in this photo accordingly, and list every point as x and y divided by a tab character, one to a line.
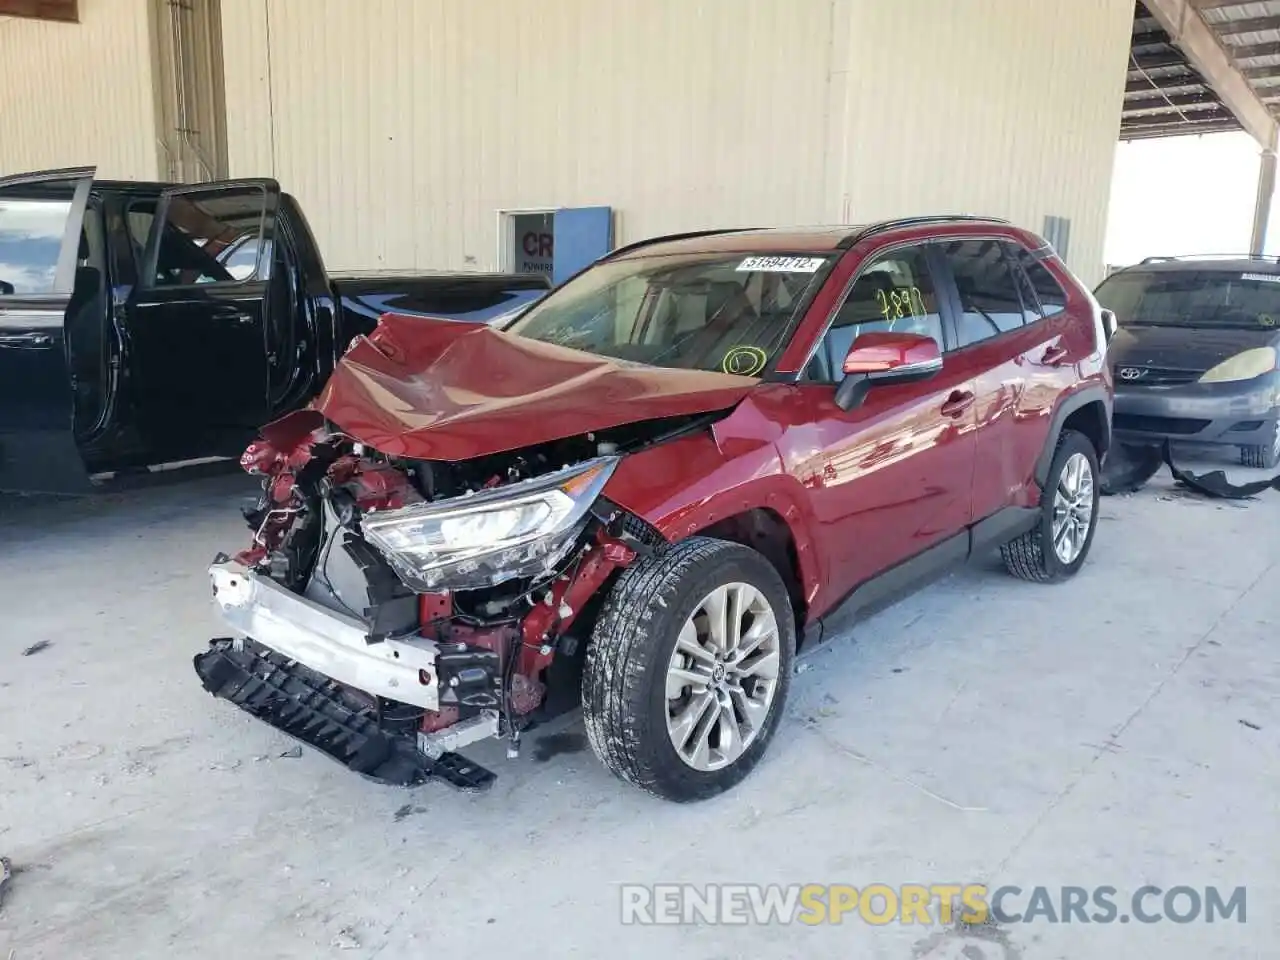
664	238
884	225
1271	258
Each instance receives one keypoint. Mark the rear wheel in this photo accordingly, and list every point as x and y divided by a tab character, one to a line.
688	669
1263	455
1057	546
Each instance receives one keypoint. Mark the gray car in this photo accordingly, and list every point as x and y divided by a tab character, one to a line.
1195	356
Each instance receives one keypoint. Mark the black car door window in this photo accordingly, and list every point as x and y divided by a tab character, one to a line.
34	223
212	239
894	292
989	300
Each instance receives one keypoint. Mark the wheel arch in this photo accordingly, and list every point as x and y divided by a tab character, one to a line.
766	531
1086	411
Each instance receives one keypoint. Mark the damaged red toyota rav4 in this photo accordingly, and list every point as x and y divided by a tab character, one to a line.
649	488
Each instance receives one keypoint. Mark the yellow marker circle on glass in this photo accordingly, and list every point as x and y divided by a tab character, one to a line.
744	361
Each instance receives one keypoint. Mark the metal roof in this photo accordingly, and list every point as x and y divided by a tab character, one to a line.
1166	96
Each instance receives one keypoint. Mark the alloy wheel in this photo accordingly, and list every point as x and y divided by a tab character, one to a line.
722	676
1073	507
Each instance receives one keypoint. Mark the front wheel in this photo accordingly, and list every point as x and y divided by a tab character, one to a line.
1056	547
1265	455
688	668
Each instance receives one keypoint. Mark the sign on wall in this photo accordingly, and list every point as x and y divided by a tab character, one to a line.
533	243
536	247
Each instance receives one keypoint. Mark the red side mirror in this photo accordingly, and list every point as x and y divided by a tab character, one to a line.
885	357
891	356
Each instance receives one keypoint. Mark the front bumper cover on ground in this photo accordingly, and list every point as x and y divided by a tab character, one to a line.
1128	468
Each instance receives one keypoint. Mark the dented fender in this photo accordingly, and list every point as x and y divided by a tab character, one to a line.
712	475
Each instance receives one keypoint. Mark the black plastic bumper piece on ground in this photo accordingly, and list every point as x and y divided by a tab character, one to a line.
315	710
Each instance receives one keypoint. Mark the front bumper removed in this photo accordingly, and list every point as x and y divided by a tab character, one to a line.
311	673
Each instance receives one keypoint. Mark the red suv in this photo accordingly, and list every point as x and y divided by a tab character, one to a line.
646	491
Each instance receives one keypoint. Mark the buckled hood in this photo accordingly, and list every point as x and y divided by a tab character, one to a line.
433	389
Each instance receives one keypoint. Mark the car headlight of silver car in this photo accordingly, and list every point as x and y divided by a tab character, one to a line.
519	530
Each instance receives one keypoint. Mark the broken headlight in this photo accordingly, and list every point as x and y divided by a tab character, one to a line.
520	530
1243	366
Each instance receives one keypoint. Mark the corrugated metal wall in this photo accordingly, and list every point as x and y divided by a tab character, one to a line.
79	93
1001	107
403	126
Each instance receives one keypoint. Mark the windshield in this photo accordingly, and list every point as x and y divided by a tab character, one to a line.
1193	298
731	313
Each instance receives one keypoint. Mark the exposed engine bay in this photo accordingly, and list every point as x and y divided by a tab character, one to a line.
396	610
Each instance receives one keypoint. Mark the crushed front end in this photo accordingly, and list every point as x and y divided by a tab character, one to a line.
391	611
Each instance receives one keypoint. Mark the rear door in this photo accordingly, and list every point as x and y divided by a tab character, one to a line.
40	221
1017	356
199	369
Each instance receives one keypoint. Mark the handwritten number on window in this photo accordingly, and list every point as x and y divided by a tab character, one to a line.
900	303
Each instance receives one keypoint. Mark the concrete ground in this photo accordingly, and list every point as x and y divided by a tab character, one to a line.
1121	729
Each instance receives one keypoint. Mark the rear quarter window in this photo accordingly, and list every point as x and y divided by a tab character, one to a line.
1053	299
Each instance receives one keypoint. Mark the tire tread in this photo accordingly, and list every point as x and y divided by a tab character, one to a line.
1024	556
622	651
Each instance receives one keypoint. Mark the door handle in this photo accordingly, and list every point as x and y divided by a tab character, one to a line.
233	314
957	403
1054	355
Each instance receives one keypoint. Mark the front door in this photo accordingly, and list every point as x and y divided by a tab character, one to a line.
41	216
892	477
199	369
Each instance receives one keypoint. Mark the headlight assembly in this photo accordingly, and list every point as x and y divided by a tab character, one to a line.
1243	366
520	530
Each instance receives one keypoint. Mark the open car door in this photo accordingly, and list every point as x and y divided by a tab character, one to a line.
41	216
198	327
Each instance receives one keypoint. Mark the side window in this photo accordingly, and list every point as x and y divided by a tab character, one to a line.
33	222
212	239
1053	300
989	300
894	292
1030	303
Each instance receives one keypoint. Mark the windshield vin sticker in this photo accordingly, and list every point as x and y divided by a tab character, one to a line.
781	264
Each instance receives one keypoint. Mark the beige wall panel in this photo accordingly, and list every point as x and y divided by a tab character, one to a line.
403	126
73	94
1001	107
